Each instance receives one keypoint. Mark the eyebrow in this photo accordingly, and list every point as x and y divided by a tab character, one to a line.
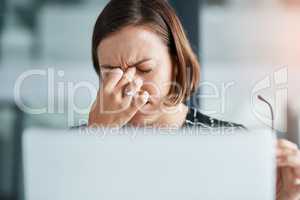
137	63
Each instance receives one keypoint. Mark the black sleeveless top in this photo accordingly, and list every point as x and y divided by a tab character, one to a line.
196	118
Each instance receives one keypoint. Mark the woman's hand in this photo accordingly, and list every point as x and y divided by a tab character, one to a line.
113	108
288	171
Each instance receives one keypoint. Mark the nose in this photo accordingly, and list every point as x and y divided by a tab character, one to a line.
132	69
130	73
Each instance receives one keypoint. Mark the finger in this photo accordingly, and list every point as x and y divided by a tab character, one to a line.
111	79
279	179
297	186
281	152
131	91
141	99
137	103
94	105
296	175
290	161
286	144
127	77
134	87
288	177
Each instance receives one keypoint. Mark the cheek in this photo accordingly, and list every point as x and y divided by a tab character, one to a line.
158	83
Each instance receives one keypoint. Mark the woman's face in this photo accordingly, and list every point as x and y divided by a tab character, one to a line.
133	45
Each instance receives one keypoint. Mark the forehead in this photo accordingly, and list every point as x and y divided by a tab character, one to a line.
129	45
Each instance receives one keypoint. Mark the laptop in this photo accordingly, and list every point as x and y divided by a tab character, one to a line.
136	164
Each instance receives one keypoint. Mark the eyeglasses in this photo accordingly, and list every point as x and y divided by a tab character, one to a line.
270	107
279	174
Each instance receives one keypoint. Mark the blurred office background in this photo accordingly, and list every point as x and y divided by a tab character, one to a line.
246	47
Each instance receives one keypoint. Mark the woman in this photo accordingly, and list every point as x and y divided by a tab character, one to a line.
147	71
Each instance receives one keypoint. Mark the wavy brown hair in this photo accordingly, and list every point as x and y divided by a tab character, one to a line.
159	17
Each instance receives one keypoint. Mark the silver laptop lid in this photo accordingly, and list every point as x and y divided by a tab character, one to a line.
146	164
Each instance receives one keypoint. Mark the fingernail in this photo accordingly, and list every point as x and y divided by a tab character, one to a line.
138	81
130	93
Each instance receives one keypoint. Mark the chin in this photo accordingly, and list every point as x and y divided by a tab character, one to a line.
138	120
143	117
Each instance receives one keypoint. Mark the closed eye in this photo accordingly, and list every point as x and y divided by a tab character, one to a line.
110	67
144	66
140	70
145	71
